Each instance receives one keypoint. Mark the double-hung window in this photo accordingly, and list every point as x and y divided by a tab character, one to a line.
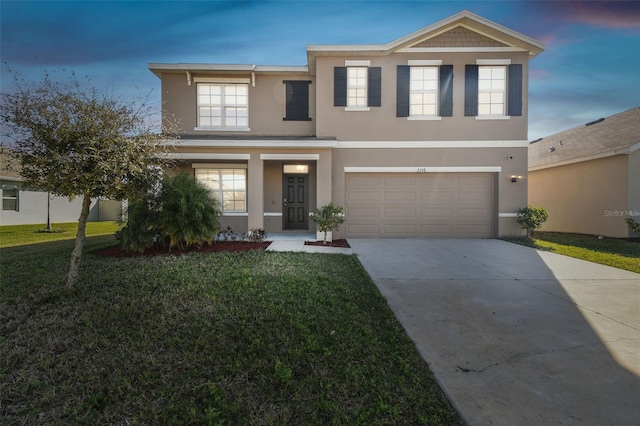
424	90
223	106
357	86
493	89
10	197
423	99
229	185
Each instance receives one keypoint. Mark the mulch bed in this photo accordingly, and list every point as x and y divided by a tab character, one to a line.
209	248
335	243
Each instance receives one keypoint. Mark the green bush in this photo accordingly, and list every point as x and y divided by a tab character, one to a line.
182	214
633	226
531	218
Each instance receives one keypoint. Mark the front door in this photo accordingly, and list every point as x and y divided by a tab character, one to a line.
295	203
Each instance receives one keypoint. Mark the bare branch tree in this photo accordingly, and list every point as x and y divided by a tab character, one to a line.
78	142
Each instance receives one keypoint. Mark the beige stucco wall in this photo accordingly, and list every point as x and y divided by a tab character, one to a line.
509	196
267	104
264	179
381	123
589	197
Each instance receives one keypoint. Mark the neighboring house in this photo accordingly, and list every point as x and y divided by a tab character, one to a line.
588	178
425	136
21	206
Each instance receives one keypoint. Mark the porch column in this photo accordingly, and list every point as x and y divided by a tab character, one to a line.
255	192
323	179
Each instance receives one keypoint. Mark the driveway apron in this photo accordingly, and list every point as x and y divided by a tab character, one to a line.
516	336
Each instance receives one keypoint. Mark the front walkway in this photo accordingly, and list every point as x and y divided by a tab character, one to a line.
295	242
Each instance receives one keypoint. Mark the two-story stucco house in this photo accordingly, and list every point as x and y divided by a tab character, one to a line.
425	136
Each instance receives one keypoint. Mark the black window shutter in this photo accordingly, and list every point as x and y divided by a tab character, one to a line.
374	87
514	105
297	107
471	90
340	86
446	91
402	101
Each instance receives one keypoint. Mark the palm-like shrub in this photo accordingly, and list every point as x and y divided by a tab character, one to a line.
189	212
182	214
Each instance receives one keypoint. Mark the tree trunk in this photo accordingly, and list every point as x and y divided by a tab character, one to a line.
74	267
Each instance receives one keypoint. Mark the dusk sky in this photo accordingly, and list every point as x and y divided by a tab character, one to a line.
589	69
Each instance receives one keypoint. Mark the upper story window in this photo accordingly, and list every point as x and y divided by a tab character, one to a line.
423	98
229	185
223	106
10	197
493	89
357	86
424	90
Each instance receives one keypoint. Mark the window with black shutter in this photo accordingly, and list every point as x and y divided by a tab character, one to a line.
471	90
403	89
297	107
424	91
514	104
340	86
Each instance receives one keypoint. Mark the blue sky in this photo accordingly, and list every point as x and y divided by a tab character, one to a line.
590	68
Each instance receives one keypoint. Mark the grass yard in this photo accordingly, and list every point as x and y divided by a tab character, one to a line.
614	252
17	235
219	338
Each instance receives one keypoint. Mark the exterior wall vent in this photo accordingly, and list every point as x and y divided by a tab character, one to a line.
591	123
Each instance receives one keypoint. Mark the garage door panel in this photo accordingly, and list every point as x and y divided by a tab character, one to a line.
399	196
420	205
365	196
399	229
433	196
392	212
403	180
363	212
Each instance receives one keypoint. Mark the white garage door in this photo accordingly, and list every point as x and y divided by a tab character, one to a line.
418	205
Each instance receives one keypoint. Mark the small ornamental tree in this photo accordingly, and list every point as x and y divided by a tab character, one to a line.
531	218
77	142
328	218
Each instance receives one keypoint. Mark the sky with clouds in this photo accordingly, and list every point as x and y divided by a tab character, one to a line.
589	69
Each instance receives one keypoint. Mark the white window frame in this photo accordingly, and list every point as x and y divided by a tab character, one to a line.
417	88
221	193
16	198
224	88
352	104
490	94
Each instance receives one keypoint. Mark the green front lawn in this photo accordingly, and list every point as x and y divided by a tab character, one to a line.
614	252
220	338
17	235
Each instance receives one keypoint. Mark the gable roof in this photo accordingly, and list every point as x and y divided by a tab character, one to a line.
488	36
617	134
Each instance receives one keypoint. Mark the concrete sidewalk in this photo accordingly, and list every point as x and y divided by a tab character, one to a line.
516	336
295	242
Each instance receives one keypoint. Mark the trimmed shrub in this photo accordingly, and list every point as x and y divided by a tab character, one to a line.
531	218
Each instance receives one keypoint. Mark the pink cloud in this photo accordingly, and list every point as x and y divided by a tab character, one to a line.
605	14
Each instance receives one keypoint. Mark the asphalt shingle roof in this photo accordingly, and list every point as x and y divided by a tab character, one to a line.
613	134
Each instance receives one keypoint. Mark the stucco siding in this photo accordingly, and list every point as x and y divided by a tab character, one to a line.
267	105
381	123
589	197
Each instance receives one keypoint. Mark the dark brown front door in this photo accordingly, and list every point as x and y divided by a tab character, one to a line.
295	192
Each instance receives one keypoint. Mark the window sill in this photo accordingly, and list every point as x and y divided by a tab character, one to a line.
493	117
240	214
357	109
221	129
424	118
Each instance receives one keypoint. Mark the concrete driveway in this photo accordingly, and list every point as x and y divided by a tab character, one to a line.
516	336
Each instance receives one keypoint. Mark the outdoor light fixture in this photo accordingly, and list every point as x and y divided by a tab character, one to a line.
514	178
